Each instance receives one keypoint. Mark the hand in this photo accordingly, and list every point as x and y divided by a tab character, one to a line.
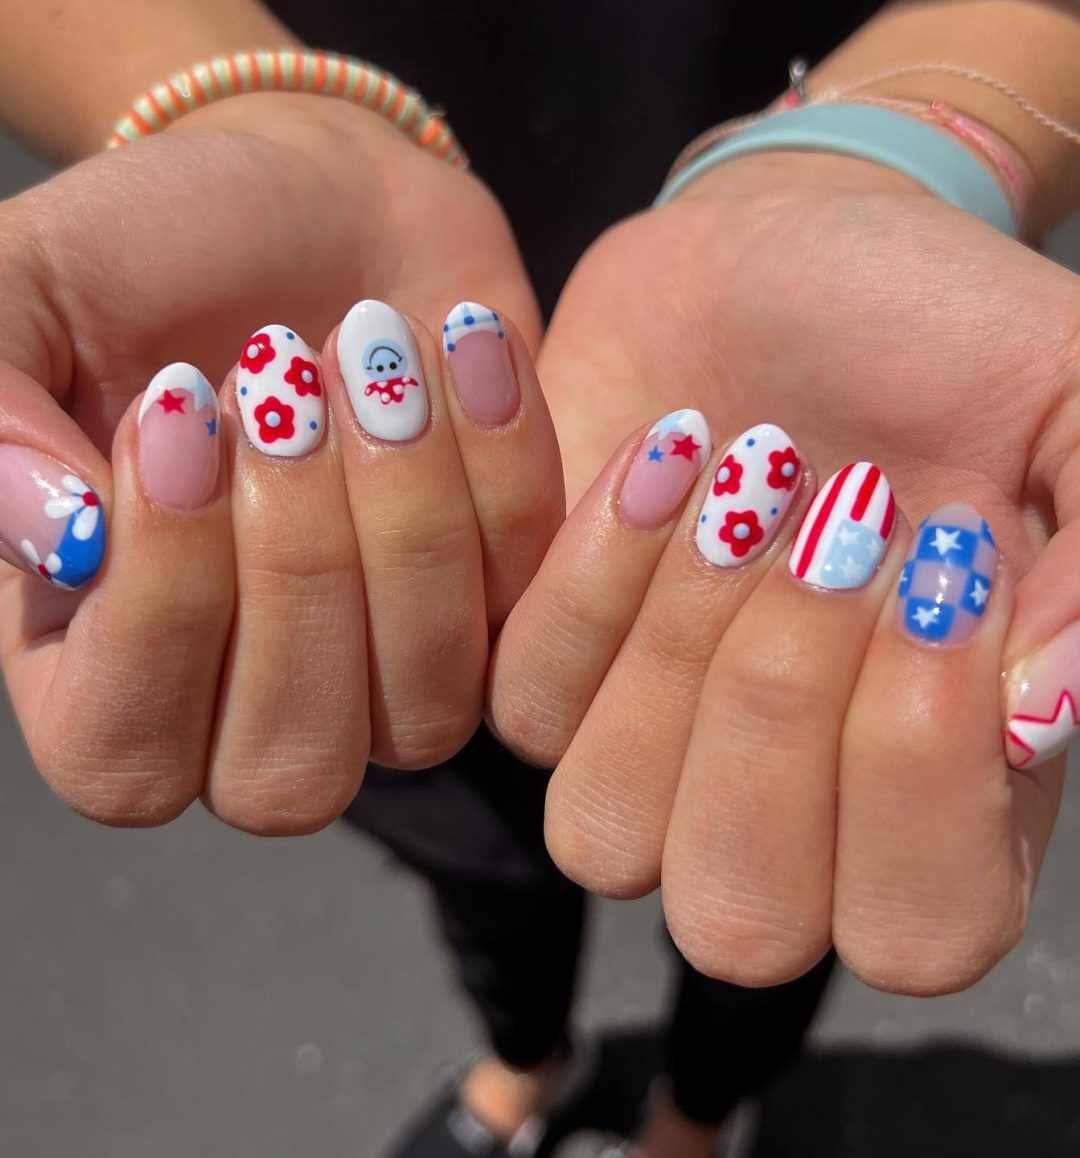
797	765
226	645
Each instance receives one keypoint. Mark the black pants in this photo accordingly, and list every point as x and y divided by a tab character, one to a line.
513	924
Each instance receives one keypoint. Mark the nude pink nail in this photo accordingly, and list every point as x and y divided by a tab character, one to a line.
479	359
663	471
1043	704
179	439
51	522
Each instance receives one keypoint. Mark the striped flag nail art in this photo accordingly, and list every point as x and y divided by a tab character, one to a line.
843	538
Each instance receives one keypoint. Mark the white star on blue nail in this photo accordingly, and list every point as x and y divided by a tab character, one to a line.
925	616
946	541
979	594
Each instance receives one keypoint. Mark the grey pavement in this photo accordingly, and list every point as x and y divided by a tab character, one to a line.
193	991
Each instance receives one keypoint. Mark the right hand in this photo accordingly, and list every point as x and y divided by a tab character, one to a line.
231	644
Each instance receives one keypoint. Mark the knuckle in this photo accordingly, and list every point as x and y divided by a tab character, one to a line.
917	960
531	726
772	693
594	848
747	942
118	781
424	736
301	802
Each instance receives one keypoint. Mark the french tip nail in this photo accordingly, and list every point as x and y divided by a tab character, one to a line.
1043	698
671	456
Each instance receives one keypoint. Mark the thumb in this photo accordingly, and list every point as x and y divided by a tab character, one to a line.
1042	652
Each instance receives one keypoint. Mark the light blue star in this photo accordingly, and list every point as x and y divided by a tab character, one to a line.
201	390
656	454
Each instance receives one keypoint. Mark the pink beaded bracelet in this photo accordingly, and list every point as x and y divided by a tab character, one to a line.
290	70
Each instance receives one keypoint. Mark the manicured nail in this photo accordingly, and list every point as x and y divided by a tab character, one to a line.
478	355
947	579
1043	701
179	453
669	459
751	491
846	530
50	520
280	393
382	372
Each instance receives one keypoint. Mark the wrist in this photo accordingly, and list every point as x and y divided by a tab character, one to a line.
59	93
1025	47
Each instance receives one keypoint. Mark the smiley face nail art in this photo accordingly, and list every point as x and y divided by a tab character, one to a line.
382	372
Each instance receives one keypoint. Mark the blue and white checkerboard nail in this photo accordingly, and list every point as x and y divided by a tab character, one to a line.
946	582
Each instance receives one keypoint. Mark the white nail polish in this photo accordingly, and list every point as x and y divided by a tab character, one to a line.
382	372
752	488
280	393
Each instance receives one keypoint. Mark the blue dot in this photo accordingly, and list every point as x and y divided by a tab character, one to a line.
243	389
450	347
314	425
751	441
494	316
501	334
703	519
446	329
773	511
469	320
290	335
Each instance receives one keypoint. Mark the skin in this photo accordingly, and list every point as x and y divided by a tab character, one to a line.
702	748
126	719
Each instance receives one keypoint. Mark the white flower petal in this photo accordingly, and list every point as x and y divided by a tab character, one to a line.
53	563
63	506
75	485
85	523
30	551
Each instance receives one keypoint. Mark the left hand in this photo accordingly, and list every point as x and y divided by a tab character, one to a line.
794	764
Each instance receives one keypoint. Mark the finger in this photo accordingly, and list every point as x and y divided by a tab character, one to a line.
610	799
567	628
293	733
927	896
748	860
414	522
508	449
125	721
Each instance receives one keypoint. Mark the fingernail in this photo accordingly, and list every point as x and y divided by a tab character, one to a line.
753	486
50	520
949	574
1043	697
382	372
845	532
478	355
669	459
178	438
280	393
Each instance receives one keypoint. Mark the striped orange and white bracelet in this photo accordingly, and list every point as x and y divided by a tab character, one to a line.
290	70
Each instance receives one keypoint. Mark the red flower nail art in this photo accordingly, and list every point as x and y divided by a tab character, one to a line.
304	376
275	419
258	350
728	477
784	468
741	531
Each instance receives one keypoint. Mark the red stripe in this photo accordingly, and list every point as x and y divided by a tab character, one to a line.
822	518
866	493
890	515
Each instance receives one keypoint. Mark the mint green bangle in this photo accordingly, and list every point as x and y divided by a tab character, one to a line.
903	143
